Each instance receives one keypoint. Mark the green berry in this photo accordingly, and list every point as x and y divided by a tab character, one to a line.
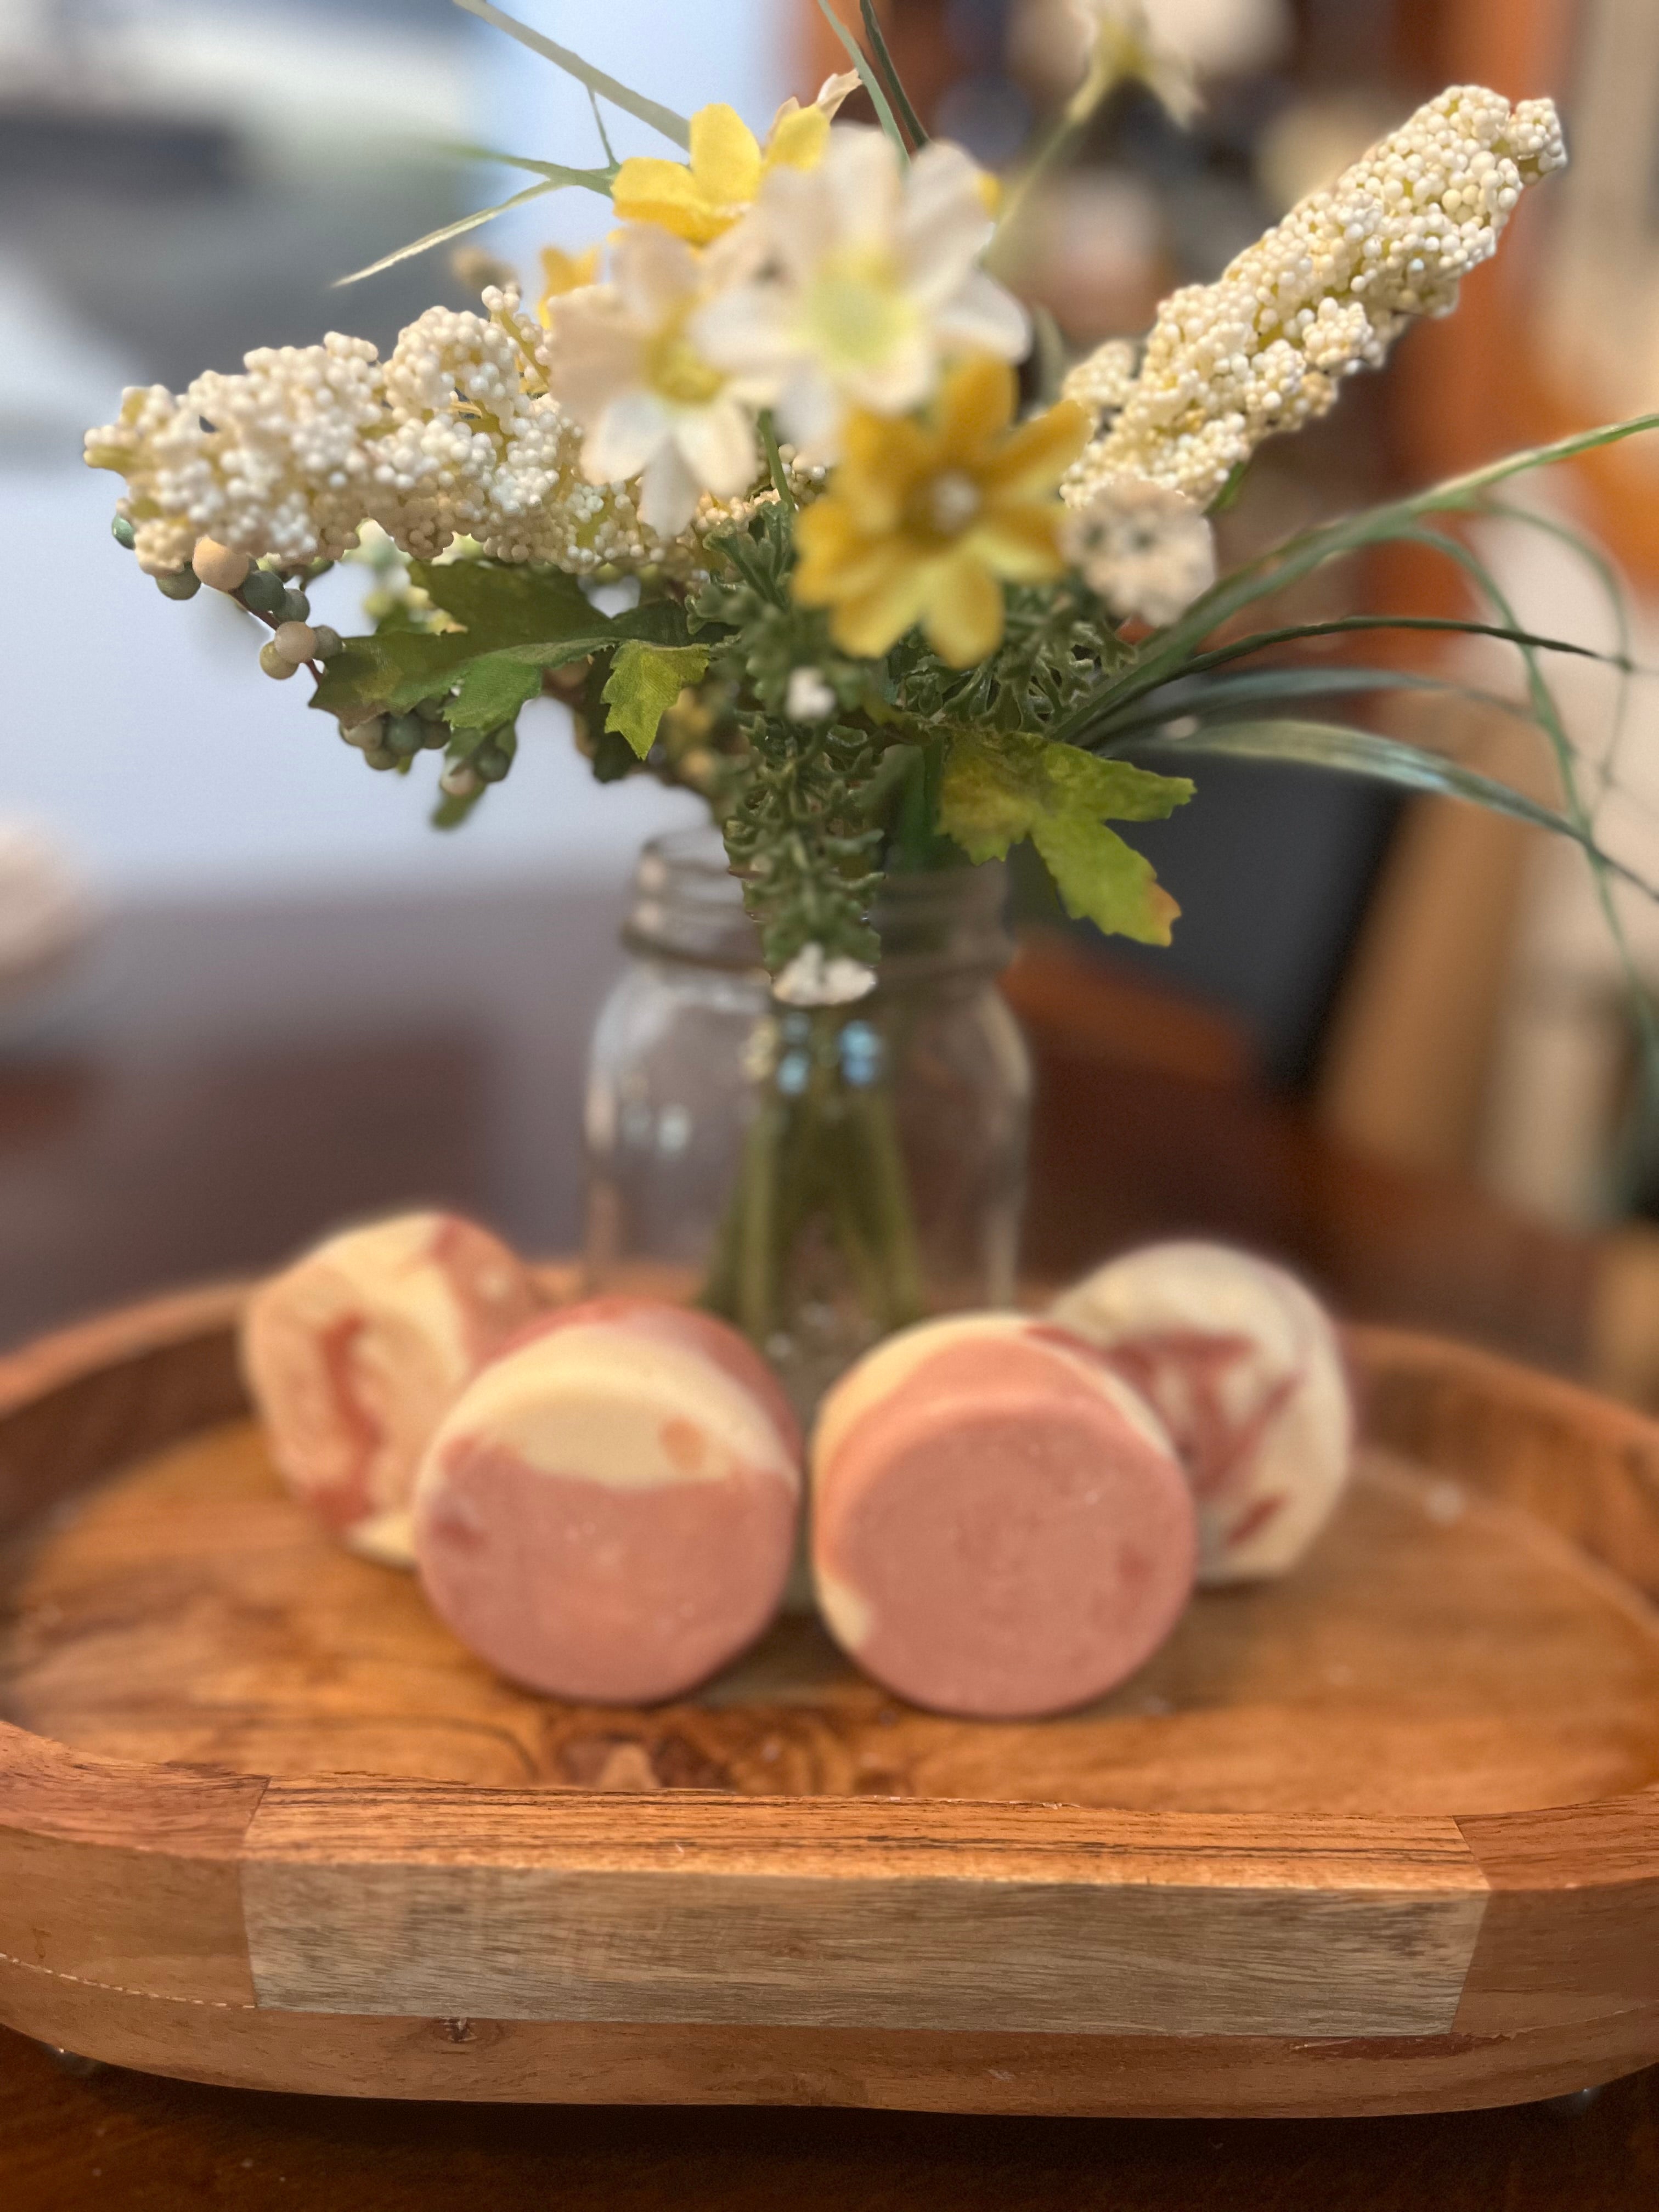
405	734
263	591
491	763
329	641
123	533
181	584
380	756
295	606
277	663
432	710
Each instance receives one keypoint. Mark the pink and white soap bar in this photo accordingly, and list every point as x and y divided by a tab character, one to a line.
999	1526
608	1512
1244	1368
355	1353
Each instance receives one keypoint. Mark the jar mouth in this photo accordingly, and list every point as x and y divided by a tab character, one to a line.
688	905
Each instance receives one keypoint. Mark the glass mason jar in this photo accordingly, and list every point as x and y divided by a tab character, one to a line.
819	1177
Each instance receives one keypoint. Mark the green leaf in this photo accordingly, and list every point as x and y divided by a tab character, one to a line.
999	788
890	77
1175	651
492	690
559	172
1386	759
1103	880
867	78
644	683
507	601
457	229
607	88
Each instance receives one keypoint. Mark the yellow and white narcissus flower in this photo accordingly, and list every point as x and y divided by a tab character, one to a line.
700	200
622	363
859	283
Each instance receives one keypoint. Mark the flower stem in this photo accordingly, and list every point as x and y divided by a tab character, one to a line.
781	483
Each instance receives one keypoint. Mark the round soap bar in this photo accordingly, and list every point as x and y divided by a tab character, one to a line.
355	1353
1244	1368
608	1511
999	1526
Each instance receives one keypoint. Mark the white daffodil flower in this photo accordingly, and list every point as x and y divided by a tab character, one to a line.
861	283
652	405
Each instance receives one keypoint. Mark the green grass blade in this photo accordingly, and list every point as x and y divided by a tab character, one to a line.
450	230
661	118
889	68
1145	677
1385	760
867	77
1311	548
1613	590
1269	686
1602	868
558	173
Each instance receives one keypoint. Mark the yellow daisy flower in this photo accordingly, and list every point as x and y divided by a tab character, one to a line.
924	518
702	202
563	272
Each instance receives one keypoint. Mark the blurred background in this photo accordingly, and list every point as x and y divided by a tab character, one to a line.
245	992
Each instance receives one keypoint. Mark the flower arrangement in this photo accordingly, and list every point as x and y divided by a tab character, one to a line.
895	599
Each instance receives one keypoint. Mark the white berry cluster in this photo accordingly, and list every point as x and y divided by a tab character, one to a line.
1324	293
455	435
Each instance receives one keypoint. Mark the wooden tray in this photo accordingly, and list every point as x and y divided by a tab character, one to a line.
1383	1837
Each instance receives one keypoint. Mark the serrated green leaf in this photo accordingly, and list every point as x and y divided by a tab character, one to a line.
518	618
390	672
644	683
492	690
999	788
1103	880
507	601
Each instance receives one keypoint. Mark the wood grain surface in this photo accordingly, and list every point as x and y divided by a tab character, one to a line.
1381	1836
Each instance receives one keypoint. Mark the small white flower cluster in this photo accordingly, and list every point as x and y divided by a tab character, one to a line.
813	980
1146	548
1324	294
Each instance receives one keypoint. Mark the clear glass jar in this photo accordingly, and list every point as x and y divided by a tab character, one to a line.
820	1177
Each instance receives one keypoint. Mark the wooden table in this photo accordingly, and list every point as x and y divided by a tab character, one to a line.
112	2141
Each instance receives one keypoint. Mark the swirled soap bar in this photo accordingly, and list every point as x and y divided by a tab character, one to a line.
609	1510
999	1526
354	1354
1244	1370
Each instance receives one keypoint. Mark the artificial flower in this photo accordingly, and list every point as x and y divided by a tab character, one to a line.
1325	293
1144	548
563	272
922	519
809	697
622	363
863	284
700	200
1122	45
810	979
